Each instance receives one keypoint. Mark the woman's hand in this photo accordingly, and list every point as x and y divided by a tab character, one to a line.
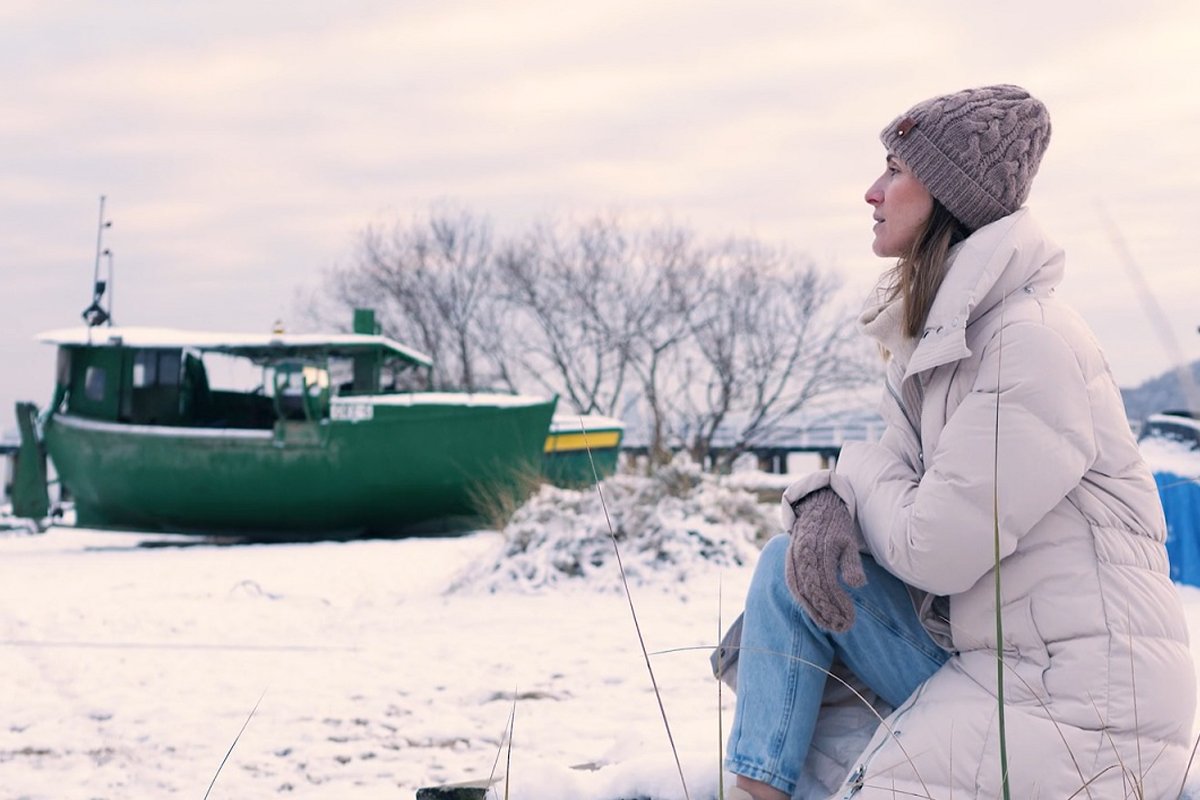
823	543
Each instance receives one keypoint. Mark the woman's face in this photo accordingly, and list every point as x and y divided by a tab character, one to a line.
902	205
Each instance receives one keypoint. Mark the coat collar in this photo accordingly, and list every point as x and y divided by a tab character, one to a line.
1006	256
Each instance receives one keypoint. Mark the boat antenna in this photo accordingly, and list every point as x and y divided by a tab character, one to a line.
95	314
111	285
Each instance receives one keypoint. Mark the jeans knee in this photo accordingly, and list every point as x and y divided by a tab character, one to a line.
770	574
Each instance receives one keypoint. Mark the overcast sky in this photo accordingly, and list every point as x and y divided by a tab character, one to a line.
244	145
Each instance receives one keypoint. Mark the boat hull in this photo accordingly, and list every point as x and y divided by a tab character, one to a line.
405	468
581	449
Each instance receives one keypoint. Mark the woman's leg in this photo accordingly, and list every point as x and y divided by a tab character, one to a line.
784	659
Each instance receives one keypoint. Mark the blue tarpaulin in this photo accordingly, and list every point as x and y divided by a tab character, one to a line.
1181	504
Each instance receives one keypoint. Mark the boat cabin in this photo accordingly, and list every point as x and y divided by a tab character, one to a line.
161	377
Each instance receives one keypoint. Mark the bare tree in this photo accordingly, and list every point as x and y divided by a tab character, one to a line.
569	293
671	259
433	285
765	342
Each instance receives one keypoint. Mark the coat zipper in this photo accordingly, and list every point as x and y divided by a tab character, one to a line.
904	409
857	779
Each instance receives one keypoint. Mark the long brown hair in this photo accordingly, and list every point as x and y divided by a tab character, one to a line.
919	272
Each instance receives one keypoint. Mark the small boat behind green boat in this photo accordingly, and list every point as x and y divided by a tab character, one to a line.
581	448
328	443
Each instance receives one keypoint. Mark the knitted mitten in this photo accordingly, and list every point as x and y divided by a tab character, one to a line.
823	543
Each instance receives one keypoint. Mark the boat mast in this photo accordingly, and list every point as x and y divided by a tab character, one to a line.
96	314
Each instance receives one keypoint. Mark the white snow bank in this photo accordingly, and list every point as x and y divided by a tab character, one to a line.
673	527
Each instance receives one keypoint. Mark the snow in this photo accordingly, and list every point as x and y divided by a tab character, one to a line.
131	661
138	336
676	530
1168	455
573	423
489	399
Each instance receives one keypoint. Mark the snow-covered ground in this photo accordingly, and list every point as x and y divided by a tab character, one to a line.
130	662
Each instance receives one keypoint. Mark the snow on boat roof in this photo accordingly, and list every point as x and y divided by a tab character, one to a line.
443	399
564	422
249	345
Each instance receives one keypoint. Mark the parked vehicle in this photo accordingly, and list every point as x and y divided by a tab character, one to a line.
1176	426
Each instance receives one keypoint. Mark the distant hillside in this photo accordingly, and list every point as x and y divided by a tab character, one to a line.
1157	394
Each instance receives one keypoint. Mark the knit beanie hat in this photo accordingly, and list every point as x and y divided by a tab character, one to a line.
976	151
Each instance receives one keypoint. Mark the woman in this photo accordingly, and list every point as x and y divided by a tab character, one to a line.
1006	439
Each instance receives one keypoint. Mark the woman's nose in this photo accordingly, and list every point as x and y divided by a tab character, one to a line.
874	194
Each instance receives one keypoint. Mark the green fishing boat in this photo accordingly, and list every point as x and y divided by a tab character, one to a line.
143	434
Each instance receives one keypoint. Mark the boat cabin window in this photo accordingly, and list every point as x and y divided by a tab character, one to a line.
145	370
93	384
369	373
222	390
301	391
155	368
154	379
63	367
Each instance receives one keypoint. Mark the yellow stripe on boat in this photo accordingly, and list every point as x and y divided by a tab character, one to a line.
567	442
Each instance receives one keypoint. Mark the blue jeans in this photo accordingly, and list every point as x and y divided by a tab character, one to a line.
784	657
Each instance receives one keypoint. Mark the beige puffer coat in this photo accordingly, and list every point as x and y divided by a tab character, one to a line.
1098	682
